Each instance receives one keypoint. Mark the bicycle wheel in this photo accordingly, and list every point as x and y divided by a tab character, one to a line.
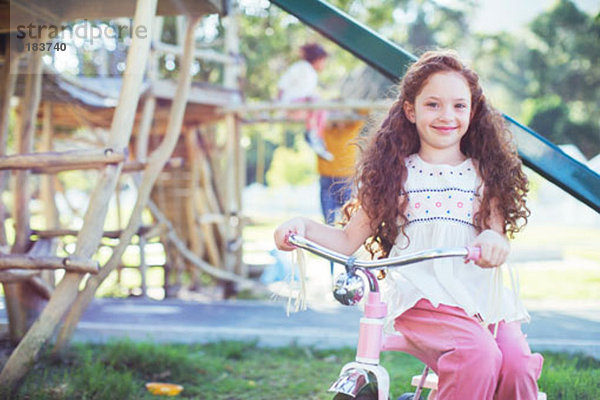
369	392
341	396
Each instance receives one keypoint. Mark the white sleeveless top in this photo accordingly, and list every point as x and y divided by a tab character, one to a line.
440	213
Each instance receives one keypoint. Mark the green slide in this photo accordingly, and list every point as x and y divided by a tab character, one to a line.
391	60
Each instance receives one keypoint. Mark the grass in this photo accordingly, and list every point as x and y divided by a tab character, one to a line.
557	283
236	371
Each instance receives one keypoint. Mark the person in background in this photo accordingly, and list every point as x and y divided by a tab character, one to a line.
335	175
299	84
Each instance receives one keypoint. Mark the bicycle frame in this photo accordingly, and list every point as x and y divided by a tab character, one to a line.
371	338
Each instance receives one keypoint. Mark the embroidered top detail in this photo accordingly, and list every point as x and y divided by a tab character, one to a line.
442	202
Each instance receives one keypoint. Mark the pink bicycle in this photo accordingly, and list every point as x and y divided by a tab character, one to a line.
365	378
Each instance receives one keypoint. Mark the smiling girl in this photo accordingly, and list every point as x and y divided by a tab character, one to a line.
441	171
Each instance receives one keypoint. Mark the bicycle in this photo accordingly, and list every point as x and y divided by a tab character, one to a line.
364	378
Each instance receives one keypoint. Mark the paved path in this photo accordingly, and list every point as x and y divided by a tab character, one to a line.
559	326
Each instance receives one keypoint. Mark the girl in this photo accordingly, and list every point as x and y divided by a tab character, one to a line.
441	171
299	84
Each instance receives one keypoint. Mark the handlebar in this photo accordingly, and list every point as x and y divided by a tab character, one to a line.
469	253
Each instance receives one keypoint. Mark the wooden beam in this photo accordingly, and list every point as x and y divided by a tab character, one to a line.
382	105
19	299
148	111
156	231
125	8
42	286
233	259
24	137
274	118
194	235
204	54
144	127
17	275
211	219
25	261
51	233
134	166
27	11
201	94
52	162
143	265
48	196
7	88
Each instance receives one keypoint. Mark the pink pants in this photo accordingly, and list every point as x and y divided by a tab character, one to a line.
469	361
314	120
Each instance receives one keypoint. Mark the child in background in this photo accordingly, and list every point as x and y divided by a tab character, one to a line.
299	84
442	171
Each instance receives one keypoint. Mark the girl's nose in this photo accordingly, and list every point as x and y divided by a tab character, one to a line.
447	113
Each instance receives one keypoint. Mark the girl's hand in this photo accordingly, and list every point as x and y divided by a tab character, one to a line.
295	226
494	248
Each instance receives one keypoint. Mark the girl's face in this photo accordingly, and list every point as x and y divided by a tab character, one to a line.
319	64
441	112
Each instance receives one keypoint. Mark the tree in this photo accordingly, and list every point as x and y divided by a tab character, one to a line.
553	74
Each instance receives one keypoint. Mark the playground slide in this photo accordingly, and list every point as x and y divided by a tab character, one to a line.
391	60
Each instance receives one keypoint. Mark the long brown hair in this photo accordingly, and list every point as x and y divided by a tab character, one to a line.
381	172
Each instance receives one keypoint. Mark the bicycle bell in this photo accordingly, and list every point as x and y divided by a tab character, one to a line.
348	288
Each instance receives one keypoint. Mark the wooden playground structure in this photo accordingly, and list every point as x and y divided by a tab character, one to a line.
157	131
159	135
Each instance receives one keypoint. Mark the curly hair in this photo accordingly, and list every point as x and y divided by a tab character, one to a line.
381	172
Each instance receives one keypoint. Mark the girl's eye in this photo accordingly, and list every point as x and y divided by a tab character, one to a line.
461	105
431	104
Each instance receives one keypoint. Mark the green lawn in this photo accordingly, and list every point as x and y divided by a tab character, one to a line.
236	371
555	283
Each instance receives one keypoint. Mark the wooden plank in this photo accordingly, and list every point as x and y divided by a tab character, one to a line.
17	275
51	161
51	233
26	261
199	94
7	82
204	54
144	128
28	111
48	193
194	235
208	233
58	11
273	106
19	297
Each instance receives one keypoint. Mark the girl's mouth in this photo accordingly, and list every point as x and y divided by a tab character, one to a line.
445	129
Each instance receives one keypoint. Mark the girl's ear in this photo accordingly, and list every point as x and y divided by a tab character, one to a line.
409	111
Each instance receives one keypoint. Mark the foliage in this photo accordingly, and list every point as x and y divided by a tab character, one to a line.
237	370
417	25
292	165
270	135
551	70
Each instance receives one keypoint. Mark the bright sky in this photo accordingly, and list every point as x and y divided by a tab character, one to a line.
509	15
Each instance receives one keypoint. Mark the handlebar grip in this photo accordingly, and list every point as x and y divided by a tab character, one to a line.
286	239
473	254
